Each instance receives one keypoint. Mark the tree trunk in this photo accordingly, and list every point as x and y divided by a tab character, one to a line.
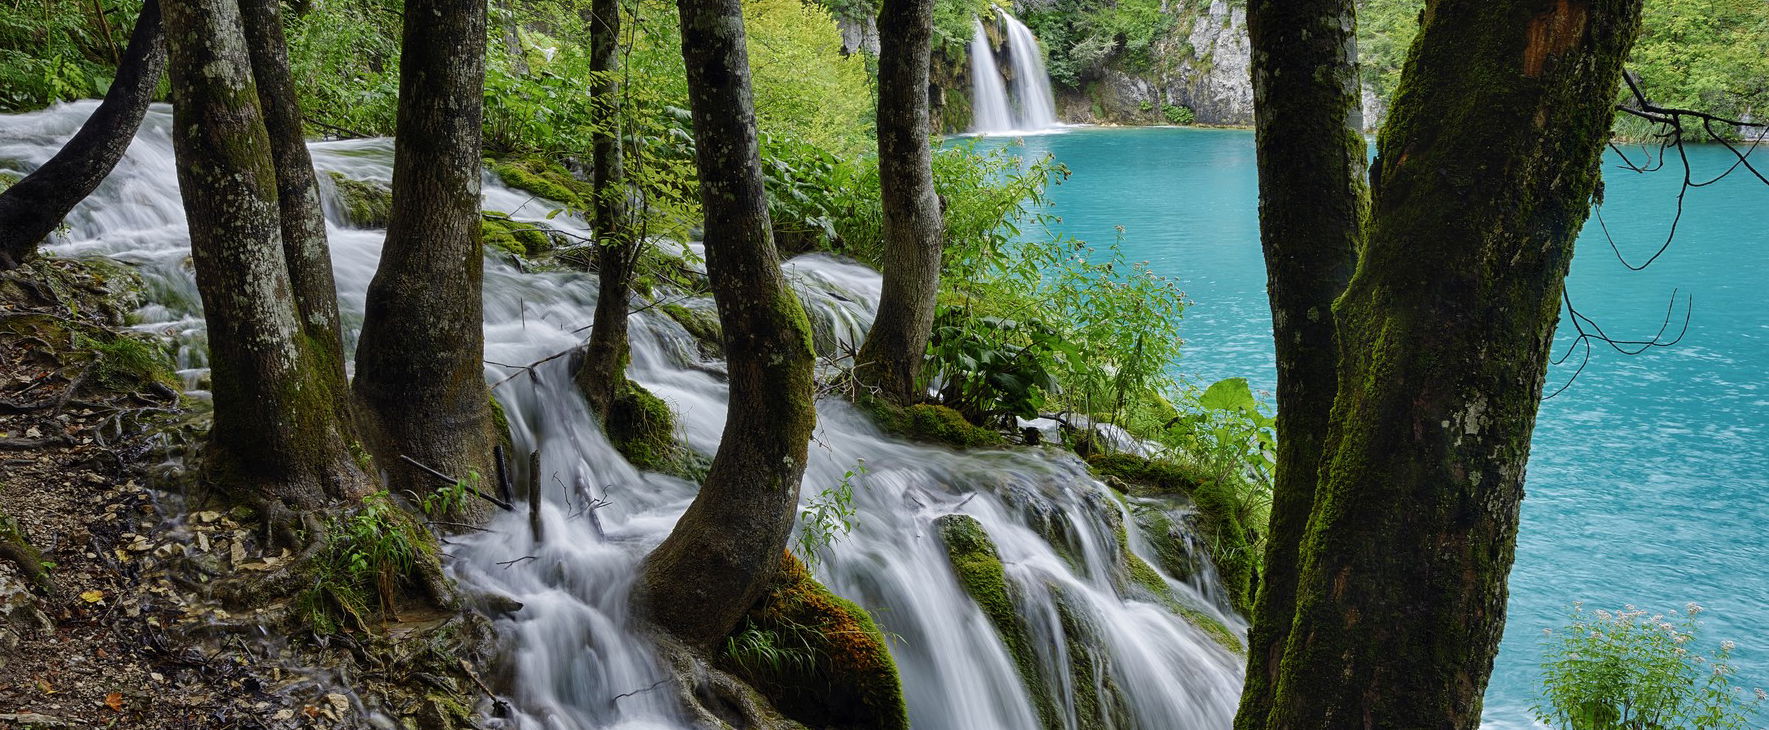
1483	179
274	440
713	565
303	219
32	208
1312	204
418	366
604	364
914	232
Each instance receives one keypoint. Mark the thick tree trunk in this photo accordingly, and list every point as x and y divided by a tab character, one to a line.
1312	204
914	232
275	440
605	358
32	208
303	219
713	565
1483	179
418	369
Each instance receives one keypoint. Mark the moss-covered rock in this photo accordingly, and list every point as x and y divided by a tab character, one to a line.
818	658
545	179
1147	584
16	548
522	239
642	428
980	574
1099	704
930	423
703	324
367	204
1229	524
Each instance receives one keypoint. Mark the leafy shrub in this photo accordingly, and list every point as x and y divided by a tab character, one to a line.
367	555
60	50
1178	115
1628	670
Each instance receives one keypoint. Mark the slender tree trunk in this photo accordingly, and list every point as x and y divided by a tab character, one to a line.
418	366
32	208
1312	205
303	219
914	232
713	565
275	439
604	364
1483	179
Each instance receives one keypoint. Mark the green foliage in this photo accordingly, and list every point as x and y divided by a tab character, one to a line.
367	555
1178	115
450	499
344	55
1082	37
60	50
827	517
760	651
126	362
1627	670
931	423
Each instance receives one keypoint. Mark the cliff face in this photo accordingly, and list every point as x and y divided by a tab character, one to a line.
1200	64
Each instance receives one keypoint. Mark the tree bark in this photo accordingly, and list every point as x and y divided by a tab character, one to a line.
32	208
1482	181
419	375
1312	204
274	440
605	357
303	219
914	231
713	565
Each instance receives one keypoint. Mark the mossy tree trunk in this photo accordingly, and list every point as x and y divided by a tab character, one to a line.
914	232
418	369
604	364
32	208
1312	205
1483	178
275	440
716	562
303	219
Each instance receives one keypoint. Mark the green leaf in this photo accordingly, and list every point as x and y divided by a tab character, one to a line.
1227	395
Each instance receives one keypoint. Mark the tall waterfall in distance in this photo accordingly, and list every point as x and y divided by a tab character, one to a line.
1032	107
989	112
1031	82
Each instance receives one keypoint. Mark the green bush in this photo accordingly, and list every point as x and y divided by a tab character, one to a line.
1178	115
60	50
1628	670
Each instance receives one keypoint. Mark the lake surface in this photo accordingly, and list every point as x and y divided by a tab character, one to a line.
1648	480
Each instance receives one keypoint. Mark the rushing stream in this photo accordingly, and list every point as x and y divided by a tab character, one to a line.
574	659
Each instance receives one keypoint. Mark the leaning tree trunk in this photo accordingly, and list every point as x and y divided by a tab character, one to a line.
418	370
303	220
914	232
605	357
1312	203
1483	179
713	565
32	208
275	441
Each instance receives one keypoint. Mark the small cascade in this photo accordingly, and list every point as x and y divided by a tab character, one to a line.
989	112
1114	614
1030	81
1031	107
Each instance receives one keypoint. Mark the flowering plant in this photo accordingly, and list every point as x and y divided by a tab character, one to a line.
1633	670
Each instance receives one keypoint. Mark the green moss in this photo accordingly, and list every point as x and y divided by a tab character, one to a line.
979	571
366	204
1225	520
501	421
522	239
545	179
930	423
1145	582
642	428
1099	703
16	547
703	324
819	658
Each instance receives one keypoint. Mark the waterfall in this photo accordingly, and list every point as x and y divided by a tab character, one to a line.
989	111
573	656
1032	106
1031	83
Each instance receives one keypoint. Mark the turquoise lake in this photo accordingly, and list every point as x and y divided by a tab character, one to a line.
1648	481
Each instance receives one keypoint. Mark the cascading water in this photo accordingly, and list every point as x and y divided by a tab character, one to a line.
989	112
572	656
1031	82
1031	106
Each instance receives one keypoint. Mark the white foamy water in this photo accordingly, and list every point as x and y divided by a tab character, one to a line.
571	656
